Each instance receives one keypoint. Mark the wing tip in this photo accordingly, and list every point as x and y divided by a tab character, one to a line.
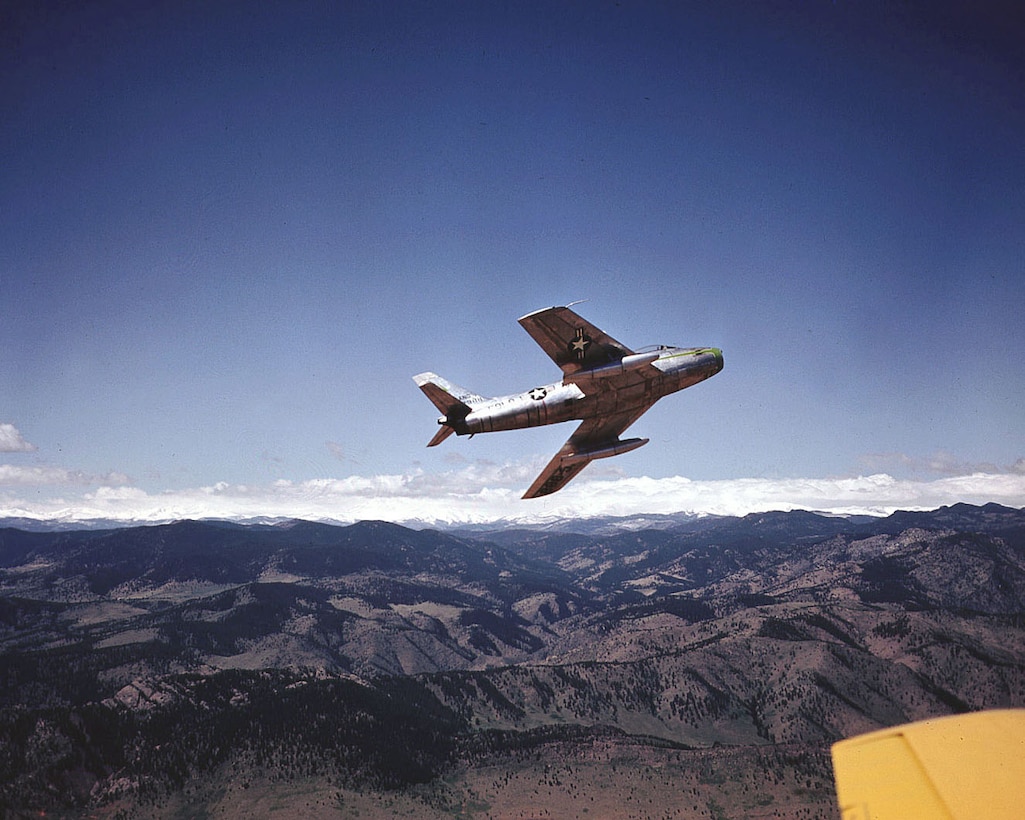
553	307
538	493
533	313
557	474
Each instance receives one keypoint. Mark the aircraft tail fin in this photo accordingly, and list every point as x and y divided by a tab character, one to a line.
450	399
454	402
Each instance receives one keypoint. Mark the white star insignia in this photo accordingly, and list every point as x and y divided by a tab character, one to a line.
578	344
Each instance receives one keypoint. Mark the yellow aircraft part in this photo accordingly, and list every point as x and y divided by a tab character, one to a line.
949	768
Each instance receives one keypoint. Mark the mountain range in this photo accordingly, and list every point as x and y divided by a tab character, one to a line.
686	667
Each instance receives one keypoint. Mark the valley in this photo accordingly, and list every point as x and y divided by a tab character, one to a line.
683	668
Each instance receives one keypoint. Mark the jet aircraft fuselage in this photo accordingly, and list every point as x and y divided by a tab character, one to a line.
605	385
672	369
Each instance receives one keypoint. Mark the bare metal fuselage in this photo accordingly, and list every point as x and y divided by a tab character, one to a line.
674	369
605	384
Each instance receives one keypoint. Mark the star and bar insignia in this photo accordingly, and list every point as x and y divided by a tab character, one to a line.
579	343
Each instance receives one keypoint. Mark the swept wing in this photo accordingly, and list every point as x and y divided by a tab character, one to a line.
572	342
595	362
596	437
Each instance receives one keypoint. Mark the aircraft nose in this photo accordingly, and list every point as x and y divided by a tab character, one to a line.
718	358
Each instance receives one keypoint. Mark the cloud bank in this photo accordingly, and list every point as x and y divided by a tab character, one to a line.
43	475
941	463
11	440
482	493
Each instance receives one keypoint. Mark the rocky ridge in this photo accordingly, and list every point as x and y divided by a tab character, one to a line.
781	631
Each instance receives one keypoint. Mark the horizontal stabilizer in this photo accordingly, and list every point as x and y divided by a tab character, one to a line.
449	398
444	431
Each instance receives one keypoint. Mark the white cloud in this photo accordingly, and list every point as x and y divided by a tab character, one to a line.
117	494
483	492
11	440
46	475
12	474
939	463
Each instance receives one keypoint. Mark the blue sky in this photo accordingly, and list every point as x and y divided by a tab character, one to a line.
232	233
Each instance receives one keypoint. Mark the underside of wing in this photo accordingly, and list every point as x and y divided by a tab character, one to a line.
555	476
956	766
595	438
572	342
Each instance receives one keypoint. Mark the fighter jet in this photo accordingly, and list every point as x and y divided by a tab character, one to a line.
604	383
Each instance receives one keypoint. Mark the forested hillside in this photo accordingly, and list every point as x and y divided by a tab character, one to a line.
701	669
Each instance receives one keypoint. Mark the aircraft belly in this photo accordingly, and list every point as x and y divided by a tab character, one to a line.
543	405
631	396
557	403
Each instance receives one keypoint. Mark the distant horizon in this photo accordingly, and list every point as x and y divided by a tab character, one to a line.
499	509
